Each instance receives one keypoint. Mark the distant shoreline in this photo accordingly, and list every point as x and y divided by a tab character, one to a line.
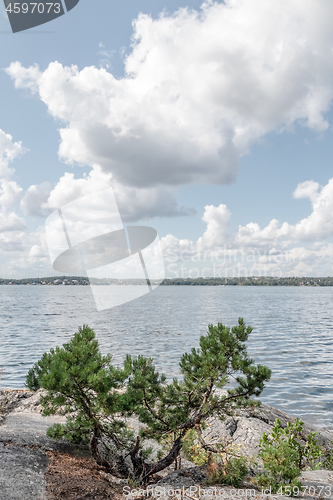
238	281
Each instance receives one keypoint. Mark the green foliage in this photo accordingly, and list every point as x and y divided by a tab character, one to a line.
195	452
327	462
311	453
180	405
96	397
82	384
74	430
133	483
226	466
235	472
284	455
231	473
192	449
281	467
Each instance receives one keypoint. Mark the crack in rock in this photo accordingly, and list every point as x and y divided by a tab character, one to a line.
231	425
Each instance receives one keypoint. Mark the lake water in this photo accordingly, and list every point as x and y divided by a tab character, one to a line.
293	333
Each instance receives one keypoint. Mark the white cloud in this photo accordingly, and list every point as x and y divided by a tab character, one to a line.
26	78
9	150
318	225
11	222
251	67
217	220
106	56
24	254
304	248
307	189
285	249
134	203
10	192
146	203
35	199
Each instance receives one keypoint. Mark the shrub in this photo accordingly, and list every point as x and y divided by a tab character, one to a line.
225	466
327	462
284	454
280	467
193	450
232	472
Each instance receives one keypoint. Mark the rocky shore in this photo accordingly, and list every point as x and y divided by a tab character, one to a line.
33	466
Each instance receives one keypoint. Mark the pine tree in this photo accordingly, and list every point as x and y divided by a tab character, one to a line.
86	387
79	379
173	409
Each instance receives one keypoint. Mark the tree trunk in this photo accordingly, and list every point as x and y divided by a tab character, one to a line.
124	464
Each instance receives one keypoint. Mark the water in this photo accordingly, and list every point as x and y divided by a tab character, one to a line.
293	333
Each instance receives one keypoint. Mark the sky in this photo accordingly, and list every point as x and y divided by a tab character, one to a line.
211	122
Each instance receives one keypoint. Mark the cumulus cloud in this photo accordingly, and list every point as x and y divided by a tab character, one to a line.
252	67
35	199
307	189
10	191
295	249
146	203
318	225
11	222
9	150
23	252
134	203
217	220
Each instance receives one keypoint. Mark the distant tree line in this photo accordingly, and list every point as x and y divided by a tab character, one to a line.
51	280
251	281
236	281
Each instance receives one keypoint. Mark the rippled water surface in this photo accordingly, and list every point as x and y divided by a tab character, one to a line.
293	333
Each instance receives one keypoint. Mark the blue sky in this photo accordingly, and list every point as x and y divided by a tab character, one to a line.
213	124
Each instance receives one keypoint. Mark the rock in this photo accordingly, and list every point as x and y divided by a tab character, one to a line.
244	433
268	414
112	479
246	428
319	476
22	473
29	429
191	483
20	400
184	477
23	446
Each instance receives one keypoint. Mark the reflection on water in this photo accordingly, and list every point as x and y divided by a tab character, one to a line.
293	333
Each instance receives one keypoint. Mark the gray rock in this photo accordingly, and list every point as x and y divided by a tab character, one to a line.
244	433
319	476
184	477
244	430
247	427
268	414
23	443
29	429
22	473
112	479
23	446
11	399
